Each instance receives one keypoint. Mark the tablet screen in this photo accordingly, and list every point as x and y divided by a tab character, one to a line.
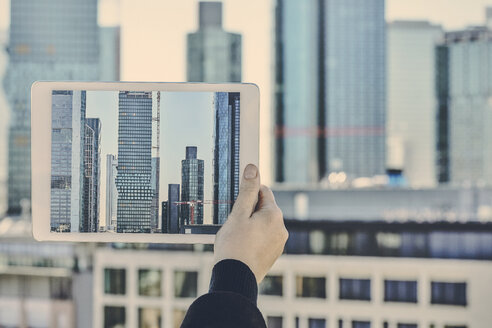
143	161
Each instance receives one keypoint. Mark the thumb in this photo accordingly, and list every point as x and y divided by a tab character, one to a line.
248	192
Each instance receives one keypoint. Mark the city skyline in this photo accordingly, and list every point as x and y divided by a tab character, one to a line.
108	141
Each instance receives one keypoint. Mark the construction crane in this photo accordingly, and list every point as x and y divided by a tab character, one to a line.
194	203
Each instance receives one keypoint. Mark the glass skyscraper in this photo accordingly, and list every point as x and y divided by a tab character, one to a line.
67	160
214	55
330	89
154	223
465	115
92	174
133	179
44	45
173	210
226	154
192	183
111	191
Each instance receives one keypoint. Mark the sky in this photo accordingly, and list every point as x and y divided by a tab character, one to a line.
154	34
186	120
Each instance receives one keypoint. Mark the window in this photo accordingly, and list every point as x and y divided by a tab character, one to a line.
61	288
149	318
406	325
316	323
274	321
272	285
114	316
185	283
311	287
448	293
149	282
400	291
115	281
355	289
361	324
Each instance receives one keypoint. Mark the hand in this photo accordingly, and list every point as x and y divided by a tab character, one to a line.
254	233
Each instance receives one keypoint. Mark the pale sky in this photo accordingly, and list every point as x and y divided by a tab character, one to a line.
154	34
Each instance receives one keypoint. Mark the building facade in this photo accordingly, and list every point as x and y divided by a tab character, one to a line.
67	160
133	179
174	221
109	53
92	175
213	55
156	164
226	153
464	109
111	191
411	118
330	98
192	184
65	49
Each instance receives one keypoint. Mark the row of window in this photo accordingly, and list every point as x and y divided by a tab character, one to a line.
445	293
278	322
150	282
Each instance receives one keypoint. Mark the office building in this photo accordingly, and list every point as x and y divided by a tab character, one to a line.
154	182
330	98
192	184
67	160
67	48
173	209
164	219
330	276
92	175
111	191
464	109
411	118
226	154
213	55
133	179
109	53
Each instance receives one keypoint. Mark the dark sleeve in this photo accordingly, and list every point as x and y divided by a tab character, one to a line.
230	302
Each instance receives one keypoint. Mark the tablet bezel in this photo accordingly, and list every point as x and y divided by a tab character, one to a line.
41	92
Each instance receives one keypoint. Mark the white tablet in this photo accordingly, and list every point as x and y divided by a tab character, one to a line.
139	162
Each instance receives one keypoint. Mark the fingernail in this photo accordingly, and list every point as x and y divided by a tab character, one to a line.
250	171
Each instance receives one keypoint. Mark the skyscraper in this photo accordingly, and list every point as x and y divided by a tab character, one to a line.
133	180
67	160
330	89
109	54
465	115
164	218
214	55
92	174
226	153
154	211
192	183
411	119
111	191
44	45
173	209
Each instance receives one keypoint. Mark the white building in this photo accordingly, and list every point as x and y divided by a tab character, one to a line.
156	287
411	116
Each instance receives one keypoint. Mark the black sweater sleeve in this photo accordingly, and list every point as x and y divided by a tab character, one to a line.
230	302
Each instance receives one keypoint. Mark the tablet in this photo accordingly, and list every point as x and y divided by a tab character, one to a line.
139	162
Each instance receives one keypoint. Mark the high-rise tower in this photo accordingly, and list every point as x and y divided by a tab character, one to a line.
330	89
92	174
226	154
67	160
111	191
133	180
192	183
214	55
44	45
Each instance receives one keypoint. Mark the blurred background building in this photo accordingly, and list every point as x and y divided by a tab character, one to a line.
354	93
213	55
